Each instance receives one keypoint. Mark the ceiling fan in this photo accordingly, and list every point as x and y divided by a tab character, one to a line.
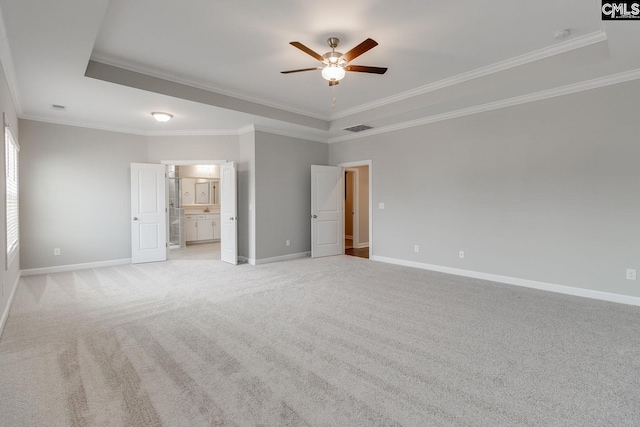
335	64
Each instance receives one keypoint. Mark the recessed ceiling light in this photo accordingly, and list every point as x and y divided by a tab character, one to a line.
561	34
162	117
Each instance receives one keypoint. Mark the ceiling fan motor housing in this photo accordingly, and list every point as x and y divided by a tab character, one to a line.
334	58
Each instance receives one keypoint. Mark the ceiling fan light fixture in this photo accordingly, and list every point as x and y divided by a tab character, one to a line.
333	72
336	64
162	117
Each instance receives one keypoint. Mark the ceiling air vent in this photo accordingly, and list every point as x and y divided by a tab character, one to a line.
358	128
58	107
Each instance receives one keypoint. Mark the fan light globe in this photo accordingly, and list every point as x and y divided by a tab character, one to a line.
333	72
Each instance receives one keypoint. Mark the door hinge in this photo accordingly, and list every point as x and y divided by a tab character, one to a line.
166	245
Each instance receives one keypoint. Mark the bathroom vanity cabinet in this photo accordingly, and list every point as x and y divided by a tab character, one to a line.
202	227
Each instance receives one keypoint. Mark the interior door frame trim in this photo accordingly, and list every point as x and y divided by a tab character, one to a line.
355	206
369	163
185	163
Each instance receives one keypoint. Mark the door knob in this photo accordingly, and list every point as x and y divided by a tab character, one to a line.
314	216
135	218
231	219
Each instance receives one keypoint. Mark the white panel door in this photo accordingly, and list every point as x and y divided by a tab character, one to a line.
327	219
148	213
228	213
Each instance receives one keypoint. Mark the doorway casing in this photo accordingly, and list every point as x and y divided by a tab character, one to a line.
369	163
190	163
352	196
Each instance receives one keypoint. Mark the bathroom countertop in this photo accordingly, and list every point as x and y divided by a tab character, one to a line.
186	212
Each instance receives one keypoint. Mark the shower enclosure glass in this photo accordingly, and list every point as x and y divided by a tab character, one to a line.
177	237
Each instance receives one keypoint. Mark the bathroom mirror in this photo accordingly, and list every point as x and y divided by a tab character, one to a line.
199	191
202	193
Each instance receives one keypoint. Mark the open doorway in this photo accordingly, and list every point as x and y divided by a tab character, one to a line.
357	209
194	230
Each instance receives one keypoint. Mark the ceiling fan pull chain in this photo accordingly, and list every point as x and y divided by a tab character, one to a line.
334	98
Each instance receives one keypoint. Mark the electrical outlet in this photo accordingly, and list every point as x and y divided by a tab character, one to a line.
461	254
416	248
631	274
288	242
56	251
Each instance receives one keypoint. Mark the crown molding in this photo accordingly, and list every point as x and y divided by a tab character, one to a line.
510	102
199	84
289	134
196	132
6	57
517	61
246	129
132	131
86	125
272	131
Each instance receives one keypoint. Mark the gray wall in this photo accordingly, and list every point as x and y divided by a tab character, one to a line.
247	196
546	191
75	188
283	193
74	193
8	273
192	148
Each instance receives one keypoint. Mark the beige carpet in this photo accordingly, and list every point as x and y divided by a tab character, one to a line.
338	341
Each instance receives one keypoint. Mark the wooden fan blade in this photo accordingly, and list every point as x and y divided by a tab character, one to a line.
301	69
333	82
359	50
307	50
365	69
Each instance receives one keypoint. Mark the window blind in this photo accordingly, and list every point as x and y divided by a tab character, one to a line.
11	193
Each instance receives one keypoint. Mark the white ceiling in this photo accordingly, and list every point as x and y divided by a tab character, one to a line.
216	65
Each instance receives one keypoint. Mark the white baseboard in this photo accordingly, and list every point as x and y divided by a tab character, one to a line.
282	258
362	245
5	313
249	261
551	287
72	267
348	236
